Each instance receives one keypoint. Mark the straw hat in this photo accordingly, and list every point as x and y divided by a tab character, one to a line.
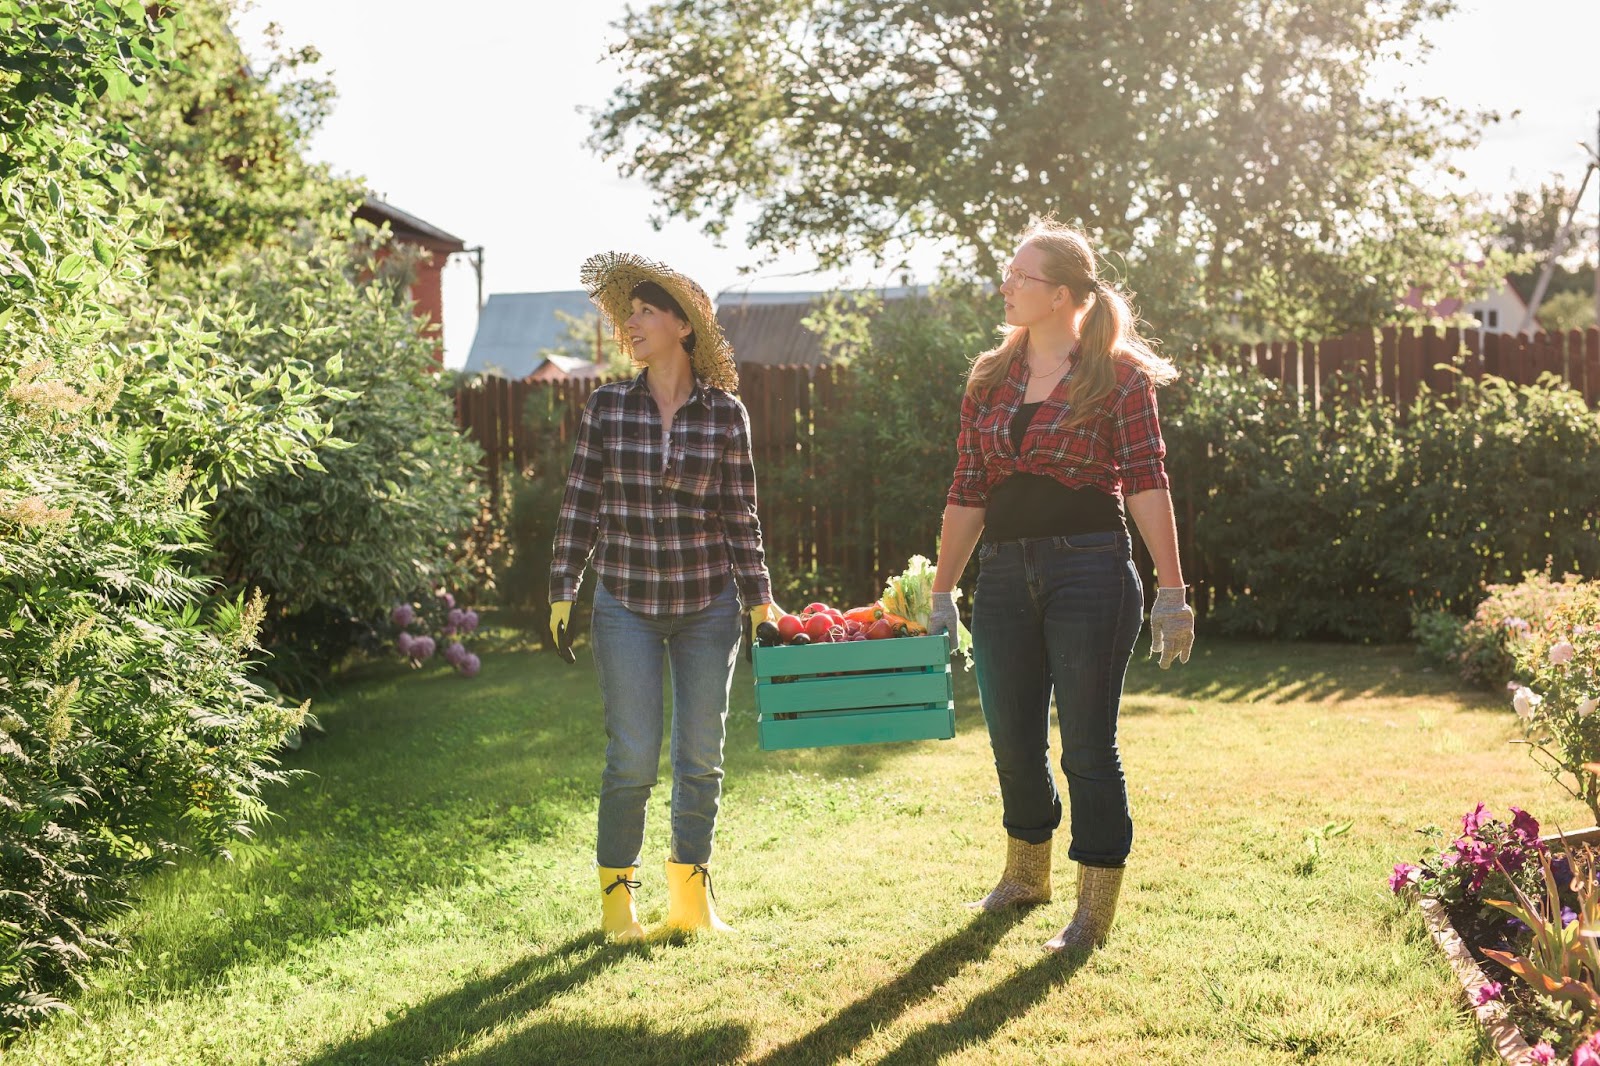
610	279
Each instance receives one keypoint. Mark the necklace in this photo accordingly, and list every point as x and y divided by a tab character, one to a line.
1055	369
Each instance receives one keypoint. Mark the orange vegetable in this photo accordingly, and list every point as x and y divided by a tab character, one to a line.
865	615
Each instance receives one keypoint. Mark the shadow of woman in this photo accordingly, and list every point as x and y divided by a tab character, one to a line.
983	1016
447	1022
836	1038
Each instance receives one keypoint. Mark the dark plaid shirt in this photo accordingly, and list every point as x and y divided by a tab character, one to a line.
1119	450
664	541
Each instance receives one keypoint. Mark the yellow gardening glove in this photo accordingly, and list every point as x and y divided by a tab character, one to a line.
560	618
761	612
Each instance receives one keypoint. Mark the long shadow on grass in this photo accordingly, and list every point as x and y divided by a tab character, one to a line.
445	1023
836	1038
1237	671
984	1015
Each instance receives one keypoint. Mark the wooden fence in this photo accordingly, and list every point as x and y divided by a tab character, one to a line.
787	403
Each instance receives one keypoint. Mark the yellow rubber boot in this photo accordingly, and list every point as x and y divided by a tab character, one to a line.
689	899
618	920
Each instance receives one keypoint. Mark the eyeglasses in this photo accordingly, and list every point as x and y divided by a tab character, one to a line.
1012	274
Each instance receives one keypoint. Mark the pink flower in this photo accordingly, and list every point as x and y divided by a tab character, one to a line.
402	614
455	653
1524	824
1586	708
1404	874
1542	1055
453	619
1588	1052
1473	819
403	642
469	666
1488	992
422	648
449	600
1562	652
1526	701
469	622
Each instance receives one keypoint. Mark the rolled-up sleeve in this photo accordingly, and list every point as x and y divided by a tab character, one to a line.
969	487
1138	449
578	524
740	522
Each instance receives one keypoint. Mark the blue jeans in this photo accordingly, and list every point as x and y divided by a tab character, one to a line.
1058	613
629	653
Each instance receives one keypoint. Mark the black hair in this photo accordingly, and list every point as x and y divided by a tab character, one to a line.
656	296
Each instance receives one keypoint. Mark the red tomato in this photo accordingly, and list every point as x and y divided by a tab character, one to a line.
817	626
788	626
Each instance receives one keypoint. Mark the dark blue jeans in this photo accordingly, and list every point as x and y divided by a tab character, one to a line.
1061	614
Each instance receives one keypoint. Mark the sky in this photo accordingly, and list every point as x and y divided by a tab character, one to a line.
468	114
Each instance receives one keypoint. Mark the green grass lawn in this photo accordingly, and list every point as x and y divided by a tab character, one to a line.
428	893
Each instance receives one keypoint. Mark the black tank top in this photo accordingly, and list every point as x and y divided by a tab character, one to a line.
1035	505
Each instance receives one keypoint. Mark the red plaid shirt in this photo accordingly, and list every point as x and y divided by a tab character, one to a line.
664	541
1119	450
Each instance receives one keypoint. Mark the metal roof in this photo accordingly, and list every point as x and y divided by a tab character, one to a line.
765	327
515	327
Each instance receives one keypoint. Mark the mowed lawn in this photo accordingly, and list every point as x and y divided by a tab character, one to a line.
428	895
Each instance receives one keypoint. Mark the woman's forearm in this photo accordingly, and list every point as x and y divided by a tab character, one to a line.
958	535
1152	513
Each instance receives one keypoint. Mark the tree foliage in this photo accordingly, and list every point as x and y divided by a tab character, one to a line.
1229	153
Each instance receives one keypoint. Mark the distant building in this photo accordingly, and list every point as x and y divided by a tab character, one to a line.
516	327
1499	310
437	246
766	327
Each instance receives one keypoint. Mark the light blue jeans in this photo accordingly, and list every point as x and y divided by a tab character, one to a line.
629	653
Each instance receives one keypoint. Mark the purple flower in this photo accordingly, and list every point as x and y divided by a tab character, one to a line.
422	648
1488	992
1524	825
1568	916
1588	1052
1474	819
455	653
449	600
1542	1055
453	619
403	642
1517	925
1561	870
469	666
402	614
1404	874
469	622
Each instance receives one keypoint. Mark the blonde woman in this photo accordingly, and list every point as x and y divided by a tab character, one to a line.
1059	443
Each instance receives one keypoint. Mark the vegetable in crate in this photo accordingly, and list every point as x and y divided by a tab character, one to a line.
910	596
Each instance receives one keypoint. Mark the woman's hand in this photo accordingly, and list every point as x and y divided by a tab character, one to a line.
1171	626
561	628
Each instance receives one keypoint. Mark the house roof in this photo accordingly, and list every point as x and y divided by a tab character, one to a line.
408	226
515	327
766	327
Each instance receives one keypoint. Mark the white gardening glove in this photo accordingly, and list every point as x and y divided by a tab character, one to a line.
1171	626
942	618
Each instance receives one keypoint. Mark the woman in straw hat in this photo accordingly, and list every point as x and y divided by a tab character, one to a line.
662	495
1059	441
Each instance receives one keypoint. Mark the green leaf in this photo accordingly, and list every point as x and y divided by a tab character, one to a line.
72	268
104	252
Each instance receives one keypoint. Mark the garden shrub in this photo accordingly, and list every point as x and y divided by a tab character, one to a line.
1482	648
386	509
129	725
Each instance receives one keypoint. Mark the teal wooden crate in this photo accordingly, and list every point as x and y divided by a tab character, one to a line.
860	692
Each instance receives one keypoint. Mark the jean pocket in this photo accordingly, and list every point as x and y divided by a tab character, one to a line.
986	552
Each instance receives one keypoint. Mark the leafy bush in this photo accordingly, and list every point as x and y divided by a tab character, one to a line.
1557	705
1483	647
128	722
385	509
1347	522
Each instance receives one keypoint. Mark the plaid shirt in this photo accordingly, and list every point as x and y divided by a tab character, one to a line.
664	539
1119	451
